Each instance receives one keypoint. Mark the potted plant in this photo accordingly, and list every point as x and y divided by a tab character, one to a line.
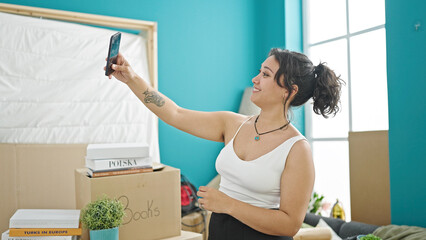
315	203
102	218
368	237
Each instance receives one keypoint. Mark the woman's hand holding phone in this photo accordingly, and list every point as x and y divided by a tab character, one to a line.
117	65
122	70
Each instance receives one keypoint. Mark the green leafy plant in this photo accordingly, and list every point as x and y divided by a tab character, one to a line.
315	203
104	213
370	237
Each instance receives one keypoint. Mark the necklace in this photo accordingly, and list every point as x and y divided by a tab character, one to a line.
257	137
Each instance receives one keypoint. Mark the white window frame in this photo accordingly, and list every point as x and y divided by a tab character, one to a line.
306	48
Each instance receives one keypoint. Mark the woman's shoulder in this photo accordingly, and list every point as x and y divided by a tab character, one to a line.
294	133
300	148
233	122
300	143
233	118
239	119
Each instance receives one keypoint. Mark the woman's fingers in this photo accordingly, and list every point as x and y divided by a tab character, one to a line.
119	68
121	60
201	194
122	70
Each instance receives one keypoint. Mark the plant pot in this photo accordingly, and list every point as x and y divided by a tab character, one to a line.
104	234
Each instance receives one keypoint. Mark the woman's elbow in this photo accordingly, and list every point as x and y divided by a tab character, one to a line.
288	232
294	231
289	229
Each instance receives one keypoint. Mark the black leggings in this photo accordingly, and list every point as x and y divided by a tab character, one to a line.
226	227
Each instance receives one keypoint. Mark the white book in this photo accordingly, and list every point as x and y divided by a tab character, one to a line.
117	163
5	236
117	150
45	218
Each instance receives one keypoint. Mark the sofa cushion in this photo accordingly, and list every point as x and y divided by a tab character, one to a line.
354	228
317	233
334	223
342	228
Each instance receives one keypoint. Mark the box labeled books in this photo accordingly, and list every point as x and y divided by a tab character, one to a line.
151	201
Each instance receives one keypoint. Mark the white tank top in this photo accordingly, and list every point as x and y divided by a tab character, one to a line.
256	182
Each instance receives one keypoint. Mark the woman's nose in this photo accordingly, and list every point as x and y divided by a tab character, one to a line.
255	79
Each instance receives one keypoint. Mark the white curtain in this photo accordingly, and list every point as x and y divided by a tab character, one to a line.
53	88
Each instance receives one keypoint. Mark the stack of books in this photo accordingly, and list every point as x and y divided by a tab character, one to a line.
43	224
117	159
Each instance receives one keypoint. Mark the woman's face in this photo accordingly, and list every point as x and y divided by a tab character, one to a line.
265	88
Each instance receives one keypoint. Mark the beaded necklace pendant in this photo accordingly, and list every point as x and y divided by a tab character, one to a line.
257	138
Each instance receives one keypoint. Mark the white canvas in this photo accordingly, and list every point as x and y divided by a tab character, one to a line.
53	88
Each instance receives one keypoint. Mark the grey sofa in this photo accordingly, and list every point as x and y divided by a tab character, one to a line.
345	230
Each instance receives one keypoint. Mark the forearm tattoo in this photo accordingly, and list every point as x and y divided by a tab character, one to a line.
153	97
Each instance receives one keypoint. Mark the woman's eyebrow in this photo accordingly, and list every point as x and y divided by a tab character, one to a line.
268	68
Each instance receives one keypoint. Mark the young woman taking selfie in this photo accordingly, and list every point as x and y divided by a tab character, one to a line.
266	167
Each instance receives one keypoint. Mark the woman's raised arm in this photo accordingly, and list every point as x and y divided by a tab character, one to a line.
207	125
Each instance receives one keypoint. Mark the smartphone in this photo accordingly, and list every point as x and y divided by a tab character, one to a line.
114	46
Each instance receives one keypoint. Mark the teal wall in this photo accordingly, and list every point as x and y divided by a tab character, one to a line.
406	59
208	52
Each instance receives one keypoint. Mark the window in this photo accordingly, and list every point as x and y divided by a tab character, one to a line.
349	35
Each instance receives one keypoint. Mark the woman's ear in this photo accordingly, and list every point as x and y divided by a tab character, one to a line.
295	90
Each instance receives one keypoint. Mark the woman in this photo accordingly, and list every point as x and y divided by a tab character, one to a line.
266	165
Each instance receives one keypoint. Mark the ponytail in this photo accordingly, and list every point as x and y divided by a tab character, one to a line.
327	90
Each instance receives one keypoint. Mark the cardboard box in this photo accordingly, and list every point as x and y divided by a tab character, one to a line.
37	176
151	201
369	177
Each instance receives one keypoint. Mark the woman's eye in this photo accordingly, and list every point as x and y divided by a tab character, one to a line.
264	73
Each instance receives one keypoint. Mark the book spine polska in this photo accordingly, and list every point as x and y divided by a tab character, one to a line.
117	163
34	232
120	172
